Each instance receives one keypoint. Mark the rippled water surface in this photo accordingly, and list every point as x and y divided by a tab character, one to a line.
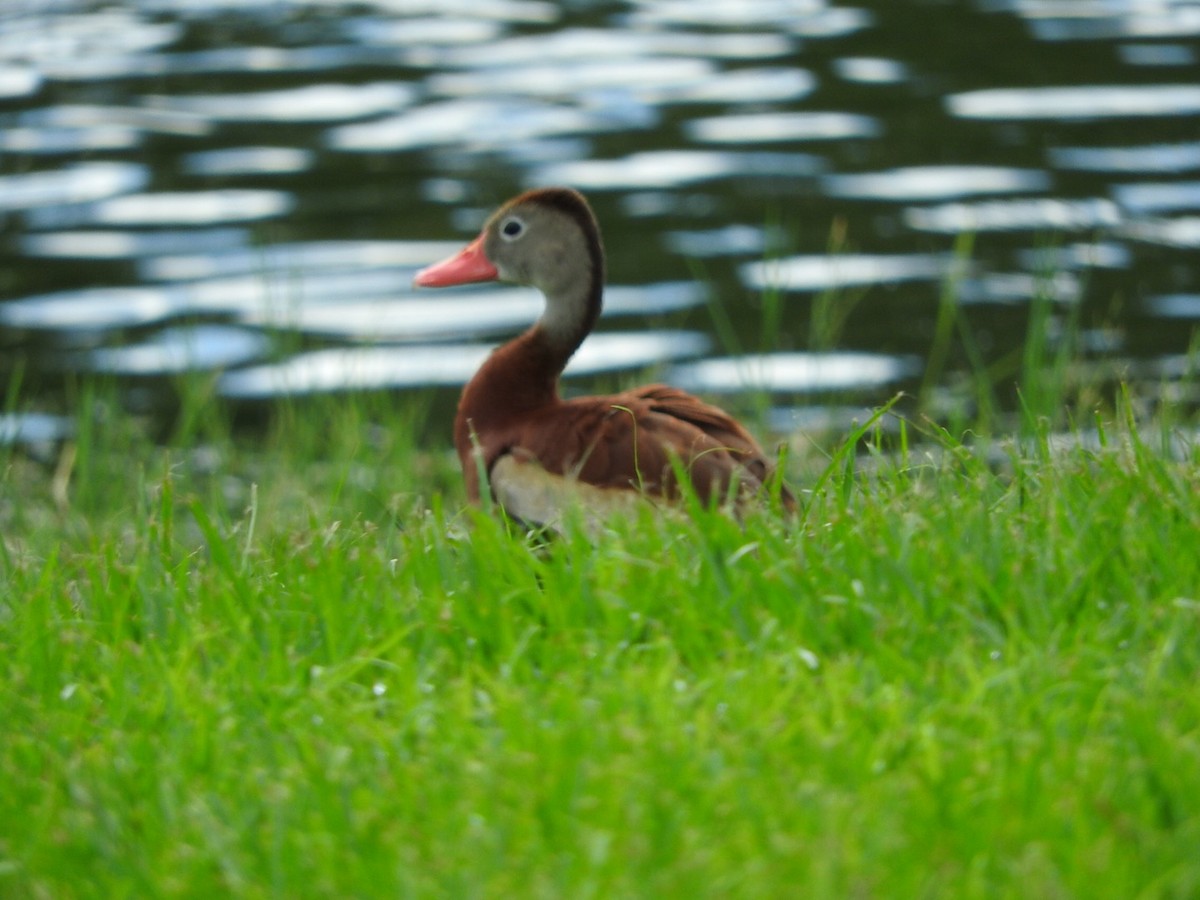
247	189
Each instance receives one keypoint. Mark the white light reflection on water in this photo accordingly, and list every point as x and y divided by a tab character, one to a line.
1015	288
809	18
172	351
114	244
471	125
91	308
1158	197
248	161
822	273
360	368
192	207
935	182
1083	102
311	103
67	36
1173	306
76	183
662	74
105	66
1039	214
424	33
106	308
1100	255
290	260
1157	54
653	168
65	141
1087	20
802	421
33	428
572	45
1182	232
793	372
666	168
732	240
871	70
142	119
743	128
529	12
767	84
1151	158
18	81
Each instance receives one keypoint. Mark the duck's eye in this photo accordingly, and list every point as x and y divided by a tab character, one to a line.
512	229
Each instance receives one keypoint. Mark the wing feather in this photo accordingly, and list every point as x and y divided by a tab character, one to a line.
641	440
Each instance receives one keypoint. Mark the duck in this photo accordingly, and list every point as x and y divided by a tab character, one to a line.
524	446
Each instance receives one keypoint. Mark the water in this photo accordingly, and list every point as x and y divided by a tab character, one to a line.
247	189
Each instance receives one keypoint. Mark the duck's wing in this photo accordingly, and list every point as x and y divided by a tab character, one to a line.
642	441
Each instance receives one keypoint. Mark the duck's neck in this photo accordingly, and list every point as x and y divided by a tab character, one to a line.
523	374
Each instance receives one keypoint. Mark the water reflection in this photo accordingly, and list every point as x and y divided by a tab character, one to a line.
870	70
1183	232
1151	158
471	125
1158	197
756	128
1079	103
51	141
1158	55
1014	215
117	244
312	103
33	428
935	182
248	161
373	368
1009	288
1099	255
295	260
1174	306
825	273
192	207
18	81
793	373
424	33
812	18
1105	21
732	240
90	309
570	45
674	168
106	65
77	183
174	351
89	117
555	80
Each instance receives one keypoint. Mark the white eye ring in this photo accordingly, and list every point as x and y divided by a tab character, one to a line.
512	228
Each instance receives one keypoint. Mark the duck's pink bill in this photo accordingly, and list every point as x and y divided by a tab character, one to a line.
466	267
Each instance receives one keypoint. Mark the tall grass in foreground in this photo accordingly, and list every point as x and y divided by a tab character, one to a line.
299	671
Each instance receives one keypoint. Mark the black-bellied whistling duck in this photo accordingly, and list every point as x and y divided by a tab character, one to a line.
536	449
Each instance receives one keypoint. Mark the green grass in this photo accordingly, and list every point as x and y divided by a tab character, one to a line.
299	667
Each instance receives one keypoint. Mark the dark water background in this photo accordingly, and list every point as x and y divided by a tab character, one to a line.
246	189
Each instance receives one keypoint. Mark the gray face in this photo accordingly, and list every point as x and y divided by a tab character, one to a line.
547	248
539	246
